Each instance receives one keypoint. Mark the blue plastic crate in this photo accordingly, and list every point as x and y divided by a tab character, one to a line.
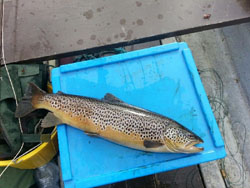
162	79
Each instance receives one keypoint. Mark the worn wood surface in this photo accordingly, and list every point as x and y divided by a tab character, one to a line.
41	29
238	41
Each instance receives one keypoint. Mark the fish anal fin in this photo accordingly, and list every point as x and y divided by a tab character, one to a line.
50	120
152	144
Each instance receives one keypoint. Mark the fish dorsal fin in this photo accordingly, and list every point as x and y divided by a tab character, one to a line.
50	120
109	98
112	99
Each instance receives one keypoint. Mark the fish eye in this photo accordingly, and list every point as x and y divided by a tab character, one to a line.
191	136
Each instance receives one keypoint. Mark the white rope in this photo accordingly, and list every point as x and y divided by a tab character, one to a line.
11	83
31	149
12	161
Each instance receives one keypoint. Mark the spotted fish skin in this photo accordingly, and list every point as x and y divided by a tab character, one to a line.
118	122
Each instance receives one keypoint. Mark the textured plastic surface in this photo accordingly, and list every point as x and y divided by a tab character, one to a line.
163	79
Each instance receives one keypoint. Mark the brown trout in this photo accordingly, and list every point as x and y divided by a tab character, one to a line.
112	119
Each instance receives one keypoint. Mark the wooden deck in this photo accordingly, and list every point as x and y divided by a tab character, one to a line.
42	29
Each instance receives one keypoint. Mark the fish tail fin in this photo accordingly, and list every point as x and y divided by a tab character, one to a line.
29	102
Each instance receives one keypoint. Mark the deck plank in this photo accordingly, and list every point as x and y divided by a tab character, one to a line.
42	29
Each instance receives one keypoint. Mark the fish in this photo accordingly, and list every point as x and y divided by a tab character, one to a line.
112	119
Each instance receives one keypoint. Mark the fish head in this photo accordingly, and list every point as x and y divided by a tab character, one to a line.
181	140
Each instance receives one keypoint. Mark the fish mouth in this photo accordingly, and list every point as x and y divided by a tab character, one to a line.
192	148
195	138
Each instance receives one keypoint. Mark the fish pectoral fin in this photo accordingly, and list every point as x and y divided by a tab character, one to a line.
152	144
90	133
50	120
111	98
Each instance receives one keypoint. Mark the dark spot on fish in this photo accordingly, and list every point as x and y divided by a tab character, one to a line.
108	23
80	42
66	20
108	39
32	13
122	35
152	144
116	36
139	22
75	30
160	16
138	4
93	37
122	21
209	6
22	4
88	14
99	9
133	23
56	35
54	16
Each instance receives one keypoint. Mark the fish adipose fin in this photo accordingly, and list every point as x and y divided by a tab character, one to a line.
59	93
50	120
31	97
152	144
